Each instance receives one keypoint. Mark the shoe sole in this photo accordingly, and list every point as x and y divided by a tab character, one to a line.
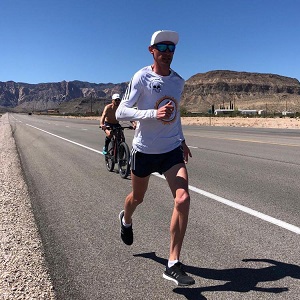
170	278
121	214
176	281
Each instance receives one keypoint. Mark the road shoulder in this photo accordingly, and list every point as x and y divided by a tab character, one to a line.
23	269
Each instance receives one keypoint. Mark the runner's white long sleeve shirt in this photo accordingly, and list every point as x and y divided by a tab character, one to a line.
146	92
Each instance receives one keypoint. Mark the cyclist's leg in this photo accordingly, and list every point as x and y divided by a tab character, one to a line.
107	138
177	178
109	134
139	188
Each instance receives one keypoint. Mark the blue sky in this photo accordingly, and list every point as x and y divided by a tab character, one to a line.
107	41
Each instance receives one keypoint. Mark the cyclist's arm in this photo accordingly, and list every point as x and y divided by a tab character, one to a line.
103	118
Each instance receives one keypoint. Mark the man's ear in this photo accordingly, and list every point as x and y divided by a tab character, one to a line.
150	48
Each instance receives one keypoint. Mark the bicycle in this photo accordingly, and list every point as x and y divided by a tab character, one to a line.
118	152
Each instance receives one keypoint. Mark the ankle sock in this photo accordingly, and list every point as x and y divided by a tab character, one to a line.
125	225
171	263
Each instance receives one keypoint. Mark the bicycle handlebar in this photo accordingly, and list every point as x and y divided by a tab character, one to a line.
120	127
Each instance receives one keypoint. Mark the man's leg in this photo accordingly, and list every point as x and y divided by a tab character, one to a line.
106	141
139	188
177	178
107	138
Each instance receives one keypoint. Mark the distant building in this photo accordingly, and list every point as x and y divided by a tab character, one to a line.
247	111
52	111
288	113
223	111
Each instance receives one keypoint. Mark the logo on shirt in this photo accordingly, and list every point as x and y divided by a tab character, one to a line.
163	101
156	85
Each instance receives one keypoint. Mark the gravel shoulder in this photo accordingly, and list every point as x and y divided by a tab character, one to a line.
23	270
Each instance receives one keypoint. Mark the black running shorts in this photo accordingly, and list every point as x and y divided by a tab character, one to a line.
143	164
112	126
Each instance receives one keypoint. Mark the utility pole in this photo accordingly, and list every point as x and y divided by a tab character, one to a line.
91	104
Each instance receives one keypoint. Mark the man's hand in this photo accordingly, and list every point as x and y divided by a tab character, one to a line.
133	123
186	152
103	127
165	112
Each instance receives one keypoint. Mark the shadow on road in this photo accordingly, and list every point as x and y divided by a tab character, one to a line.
240	280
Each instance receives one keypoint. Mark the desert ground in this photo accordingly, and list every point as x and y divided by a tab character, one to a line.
285	123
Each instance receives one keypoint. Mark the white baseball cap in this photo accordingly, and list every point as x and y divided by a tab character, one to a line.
164	36
115	96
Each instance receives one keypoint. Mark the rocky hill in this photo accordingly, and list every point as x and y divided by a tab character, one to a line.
44	96
243	90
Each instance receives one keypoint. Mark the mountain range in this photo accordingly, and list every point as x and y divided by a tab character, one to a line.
220	88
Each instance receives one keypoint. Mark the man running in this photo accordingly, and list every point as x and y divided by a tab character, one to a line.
158	144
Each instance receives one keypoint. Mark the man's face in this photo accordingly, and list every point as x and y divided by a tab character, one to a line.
162	53
116	102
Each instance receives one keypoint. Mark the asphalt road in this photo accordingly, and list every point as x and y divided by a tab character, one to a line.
242	240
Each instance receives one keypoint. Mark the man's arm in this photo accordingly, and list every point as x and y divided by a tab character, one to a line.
125	111
103	118
186	152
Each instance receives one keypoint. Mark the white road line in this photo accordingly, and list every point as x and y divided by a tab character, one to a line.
240	207
62	138
227	202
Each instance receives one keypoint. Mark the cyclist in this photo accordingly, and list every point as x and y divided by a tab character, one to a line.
108	119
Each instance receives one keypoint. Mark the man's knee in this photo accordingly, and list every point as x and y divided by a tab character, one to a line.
138	200
182	202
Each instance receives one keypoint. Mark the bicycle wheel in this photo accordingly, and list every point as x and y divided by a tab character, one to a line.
109	157
124	160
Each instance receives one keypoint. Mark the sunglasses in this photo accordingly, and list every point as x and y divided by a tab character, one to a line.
118	99
163	47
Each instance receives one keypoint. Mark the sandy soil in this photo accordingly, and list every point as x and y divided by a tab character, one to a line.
290	123
287	123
